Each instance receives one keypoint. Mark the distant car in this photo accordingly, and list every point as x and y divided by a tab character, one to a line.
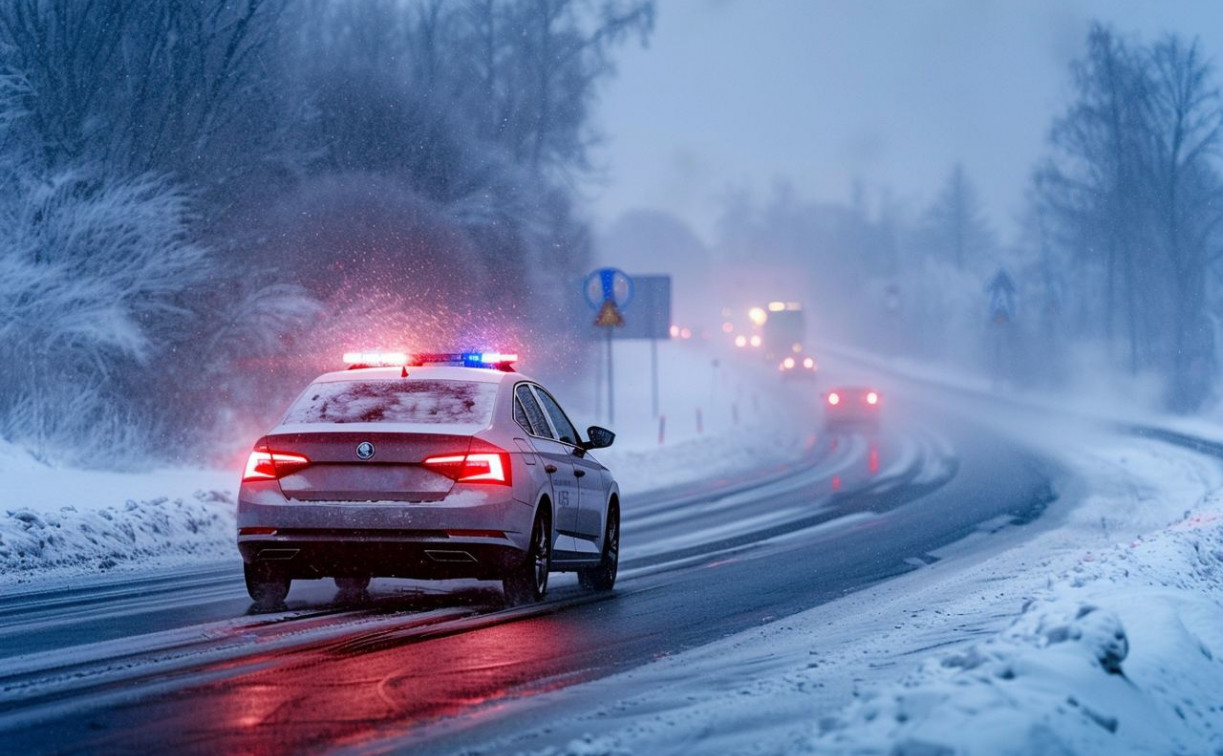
852	406
799	367
427	466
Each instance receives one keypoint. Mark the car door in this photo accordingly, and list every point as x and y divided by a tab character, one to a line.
558	463
589	474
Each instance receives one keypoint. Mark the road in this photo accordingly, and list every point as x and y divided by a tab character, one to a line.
177	663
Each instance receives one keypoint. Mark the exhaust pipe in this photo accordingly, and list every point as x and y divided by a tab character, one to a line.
449	556
277	555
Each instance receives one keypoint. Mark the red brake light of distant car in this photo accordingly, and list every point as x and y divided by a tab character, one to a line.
872	398
834	398
269	465
788	363
809	363
478	467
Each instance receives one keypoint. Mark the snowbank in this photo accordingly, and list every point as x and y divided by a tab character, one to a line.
1118	655
60	523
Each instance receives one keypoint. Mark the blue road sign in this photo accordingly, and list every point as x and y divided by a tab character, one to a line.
1001	292
608	285
650	315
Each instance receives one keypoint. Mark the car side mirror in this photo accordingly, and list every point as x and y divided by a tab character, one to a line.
600	438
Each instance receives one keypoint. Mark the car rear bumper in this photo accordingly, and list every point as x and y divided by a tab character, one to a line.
305	553
474	532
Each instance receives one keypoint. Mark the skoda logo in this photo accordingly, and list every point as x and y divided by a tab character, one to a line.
365	450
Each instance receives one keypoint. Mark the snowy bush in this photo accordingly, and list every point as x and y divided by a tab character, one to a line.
93	274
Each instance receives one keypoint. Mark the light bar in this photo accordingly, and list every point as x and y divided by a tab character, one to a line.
495	358
375	359
499	360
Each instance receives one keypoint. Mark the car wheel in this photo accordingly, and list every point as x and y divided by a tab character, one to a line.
528	582
603	577
267	584
352	584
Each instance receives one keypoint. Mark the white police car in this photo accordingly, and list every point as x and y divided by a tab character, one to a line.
427	466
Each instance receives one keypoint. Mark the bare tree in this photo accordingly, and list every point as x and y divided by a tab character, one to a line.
955	224
1133	190
1185	187
143	85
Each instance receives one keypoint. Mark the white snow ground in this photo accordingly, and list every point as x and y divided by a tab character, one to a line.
59	524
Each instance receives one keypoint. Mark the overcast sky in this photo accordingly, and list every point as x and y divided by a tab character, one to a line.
740	93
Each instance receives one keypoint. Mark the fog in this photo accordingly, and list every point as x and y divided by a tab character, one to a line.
188	238
882	163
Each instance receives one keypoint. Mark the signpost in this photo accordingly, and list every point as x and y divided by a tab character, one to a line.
650	319
1002	291
1001	297
608	291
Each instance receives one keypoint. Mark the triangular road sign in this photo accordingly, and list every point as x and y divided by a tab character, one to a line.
609	316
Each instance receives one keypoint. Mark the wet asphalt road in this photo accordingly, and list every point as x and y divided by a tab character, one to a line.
176	663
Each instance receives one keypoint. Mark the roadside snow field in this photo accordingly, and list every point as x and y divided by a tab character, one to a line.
721	415
1117	655
1097	629
59	523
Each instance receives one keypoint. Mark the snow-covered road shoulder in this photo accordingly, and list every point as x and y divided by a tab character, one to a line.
59	524
1118	655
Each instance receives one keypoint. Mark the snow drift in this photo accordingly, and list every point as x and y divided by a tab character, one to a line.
1118	655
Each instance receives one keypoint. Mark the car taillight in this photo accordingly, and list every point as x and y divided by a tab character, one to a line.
872	398
263	464
476	467
834	398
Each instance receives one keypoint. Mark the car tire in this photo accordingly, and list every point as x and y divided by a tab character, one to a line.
352	585
528	582
603	577
266	584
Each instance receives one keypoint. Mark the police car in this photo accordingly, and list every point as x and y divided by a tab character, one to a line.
427	466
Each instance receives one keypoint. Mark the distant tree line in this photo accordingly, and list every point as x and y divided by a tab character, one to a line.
205	201
1118	259
1131	204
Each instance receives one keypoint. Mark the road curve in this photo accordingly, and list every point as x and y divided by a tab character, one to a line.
173	664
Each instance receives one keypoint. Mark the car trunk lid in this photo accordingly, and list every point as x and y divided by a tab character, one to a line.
354	466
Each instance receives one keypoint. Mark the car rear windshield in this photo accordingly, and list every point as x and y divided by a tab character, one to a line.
396	401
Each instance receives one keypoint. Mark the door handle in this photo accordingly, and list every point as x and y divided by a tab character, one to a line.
549	469
578	473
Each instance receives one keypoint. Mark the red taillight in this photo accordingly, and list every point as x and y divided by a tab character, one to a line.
256	531
477	467
263	464
834	398
872	398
